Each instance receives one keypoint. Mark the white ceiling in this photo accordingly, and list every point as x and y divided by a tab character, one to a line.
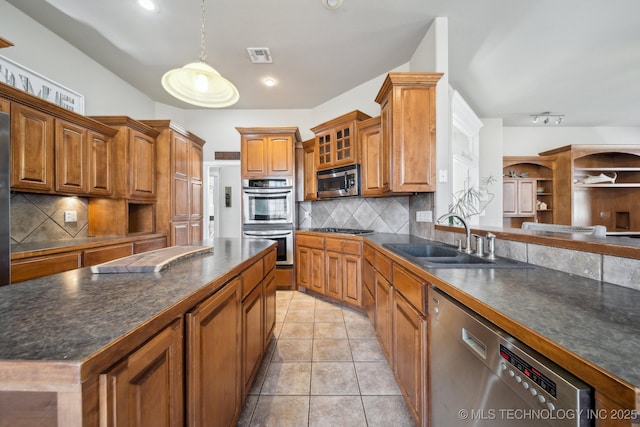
508	58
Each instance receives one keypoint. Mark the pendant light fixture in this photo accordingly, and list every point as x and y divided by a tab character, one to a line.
200	84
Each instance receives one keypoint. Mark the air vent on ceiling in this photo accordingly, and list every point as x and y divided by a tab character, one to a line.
260	55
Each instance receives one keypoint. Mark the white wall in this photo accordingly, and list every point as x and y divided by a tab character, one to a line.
433	55
491	143
230	218
42	51
529	141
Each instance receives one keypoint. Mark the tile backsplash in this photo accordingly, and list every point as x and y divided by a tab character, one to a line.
40	217
382	215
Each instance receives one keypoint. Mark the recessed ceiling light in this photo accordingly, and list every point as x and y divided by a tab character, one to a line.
269	81
149	5
332	4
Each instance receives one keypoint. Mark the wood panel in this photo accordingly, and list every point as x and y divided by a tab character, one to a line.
100	164
99	255
214	349
280	158
43	266
352	279
270	286
251	277
310	182
32	149
384	312
149	245
375	161
146	389
28	409
71	158
333	265
252	336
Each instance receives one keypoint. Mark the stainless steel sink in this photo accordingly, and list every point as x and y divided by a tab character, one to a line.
439	255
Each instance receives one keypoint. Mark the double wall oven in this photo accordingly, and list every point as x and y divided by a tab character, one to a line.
268	212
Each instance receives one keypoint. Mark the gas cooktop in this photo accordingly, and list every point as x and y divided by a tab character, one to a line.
341	230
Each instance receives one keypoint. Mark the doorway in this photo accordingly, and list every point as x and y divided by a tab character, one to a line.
220	175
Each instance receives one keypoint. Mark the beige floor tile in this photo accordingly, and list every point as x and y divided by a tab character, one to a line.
277	328
292	378
294	350
284	295
299	315
352	316
385	411
256	387
302	295
330	315
326	305
292	330
281	314
329	330
366	350
359	331
336	411
331	350
247	411
333	378
300	304
281	411
376	378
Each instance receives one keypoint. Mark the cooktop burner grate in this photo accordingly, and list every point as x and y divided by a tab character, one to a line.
341	230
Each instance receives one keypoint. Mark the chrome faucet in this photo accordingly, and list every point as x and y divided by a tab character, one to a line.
467	230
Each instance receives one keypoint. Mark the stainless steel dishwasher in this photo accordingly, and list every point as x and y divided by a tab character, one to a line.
481	376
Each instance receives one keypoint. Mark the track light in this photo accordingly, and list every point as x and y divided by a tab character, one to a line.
546	116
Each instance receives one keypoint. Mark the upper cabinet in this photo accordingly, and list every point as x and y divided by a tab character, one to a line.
56	151
135	158
376	168
179	182
267	151
337	141
310	183
408	128
597	185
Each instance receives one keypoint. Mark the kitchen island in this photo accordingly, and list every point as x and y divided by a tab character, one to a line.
70	341
589	327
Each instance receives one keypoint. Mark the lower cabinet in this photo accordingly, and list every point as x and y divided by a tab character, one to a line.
252	336
310	263
270	287
383	301
146	389
368	290
410	354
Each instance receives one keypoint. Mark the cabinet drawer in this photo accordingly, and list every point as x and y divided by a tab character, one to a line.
369	254
343	246
149	245
100	255
411	287
310	241
251	277
270	260
43	266
383	265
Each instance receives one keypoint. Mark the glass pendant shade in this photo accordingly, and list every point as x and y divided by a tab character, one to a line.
200	84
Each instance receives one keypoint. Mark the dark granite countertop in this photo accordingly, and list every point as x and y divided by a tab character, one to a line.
597	321
71	316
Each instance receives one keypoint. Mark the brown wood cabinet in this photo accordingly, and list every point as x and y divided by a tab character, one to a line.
375	165
519	197
214	348
310	263
267	151
581	201
330	266
408	128
32	149
83	161
252	336
337	141
147	387
527	180
134	156
384	313
179	209
39	265
310	182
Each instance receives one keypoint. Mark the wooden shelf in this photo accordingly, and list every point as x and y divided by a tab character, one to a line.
578	186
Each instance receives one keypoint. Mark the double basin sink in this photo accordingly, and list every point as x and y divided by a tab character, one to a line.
440	255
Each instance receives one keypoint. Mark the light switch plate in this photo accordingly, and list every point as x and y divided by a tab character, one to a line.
443	175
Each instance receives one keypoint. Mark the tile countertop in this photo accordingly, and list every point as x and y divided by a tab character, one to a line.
71	316
597	321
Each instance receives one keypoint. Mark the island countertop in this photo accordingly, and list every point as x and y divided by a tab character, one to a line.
71	317
589	327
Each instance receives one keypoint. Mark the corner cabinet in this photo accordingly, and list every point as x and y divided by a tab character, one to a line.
337	141
408	127
267	151
598	185
179	209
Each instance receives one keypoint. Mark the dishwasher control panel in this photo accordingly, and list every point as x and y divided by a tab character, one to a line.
529	371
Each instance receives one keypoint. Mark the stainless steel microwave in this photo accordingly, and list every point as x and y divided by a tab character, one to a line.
339	182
